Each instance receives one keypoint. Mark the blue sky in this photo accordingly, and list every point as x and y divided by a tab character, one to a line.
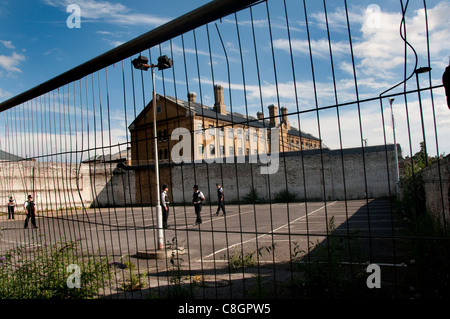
37	45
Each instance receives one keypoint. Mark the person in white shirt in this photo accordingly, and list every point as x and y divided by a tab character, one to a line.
220	199
197	200
11	206
165	205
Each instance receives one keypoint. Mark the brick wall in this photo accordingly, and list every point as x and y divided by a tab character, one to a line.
437	189
313	174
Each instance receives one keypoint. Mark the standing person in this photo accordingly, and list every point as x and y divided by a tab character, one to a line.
11	206
197	200
165	205
30	208
221	204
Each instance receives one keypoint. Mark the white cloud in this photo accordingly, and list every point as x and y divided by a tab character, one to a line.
114	13
11	63
379	49
114	43
337	20
7	44
320	48
4	94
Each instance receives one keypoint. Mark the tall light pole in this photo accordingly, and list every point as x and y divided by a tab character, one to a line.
397	173
141	63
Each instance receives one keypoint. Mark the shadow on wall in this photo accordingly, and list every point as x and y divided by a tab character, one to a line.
117	189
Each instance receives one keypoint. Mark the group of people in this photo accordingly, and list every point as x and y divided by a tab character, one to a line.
197	200
29	207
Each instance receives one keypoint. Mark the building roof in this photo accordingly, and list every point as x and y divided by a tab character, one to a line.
231	117
5	156
109	158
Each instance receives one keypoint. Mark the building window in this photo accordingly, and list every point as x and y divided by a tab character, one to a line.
158	109
159	135
159	154
240	151
231	150
200	149
165	135
199	128
222	150
211	130
230	133
222	131
165	153
255	137
212	150
239	133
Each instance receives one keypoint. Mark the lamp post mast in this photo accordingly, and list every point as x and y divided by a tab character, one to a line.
397	177
141	63
158	199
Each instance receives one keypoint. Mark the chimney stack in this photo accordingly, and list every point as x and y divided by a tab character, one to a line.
260	116
273	113
192	97
284	117
219	105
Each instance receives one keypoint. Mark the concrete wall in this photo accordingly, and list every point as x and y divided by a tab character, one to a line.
437	189
60	185
315	174
311	175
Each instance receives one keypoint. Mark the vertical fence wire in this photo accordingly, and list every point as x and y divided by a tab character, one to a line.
85	152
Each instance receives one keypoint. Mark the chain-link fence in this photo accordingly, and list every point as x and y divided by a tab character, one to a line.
271	149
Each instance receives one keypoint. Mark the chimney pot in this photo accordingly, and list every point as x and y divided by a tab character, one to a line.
192	97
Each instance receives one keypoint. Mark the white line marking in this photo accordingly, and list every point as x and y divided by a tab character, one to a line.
261	236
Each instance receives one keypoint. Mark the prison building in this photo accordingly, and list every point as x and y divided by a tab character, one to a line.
214	132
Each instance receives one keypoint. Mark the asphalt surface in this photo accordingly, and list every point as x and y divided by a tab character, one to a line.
270	234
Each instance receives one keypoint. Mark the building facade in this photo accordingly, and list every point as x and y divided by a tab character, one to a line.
206	134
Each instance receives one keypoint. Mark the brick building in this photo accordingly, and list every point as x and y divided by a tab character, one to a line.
214	132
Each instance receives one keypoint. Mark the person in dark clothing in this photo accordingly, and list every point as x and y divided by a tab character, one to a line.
165	205
30	207
197	200
220	199
446	83
11	206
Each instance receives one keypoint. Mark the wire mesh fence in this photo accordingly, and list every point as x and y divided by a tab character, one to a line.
293	149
